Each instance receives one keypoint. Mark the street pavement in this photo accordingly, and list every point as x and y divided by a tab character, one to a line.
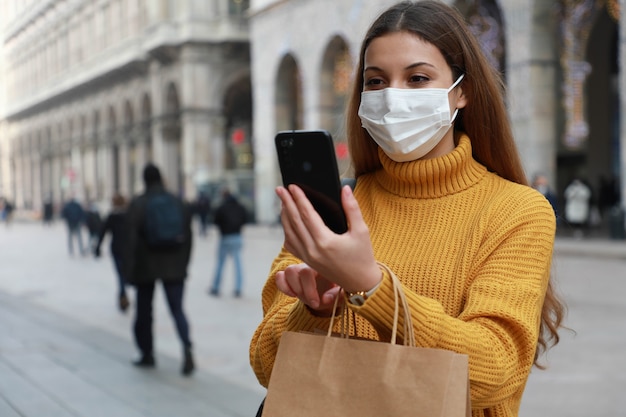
65	349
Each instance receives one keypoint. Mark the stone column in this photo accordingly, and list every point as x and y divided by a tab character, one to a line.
202	121
532	68
36	173
158	106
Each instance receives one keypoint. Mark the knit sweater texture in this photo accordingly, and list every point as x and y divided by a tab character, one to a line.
473	252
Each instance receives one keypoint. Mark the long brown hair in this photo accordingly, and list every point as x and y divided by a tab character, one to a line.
484	118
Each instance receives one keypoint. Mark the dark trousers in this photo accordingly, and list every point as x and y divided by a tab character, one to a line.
118	260
143	319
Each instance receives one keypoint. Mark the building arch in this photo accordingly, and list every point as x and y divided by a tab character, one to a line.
238	140
237	110
288	95
335	76
602	155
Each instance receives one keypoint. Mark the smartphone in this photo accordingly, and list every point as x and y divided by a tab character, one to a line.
307	158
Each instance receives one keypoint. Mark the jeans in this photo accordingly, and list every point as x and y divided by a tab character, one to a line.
143	320
74	232
229	245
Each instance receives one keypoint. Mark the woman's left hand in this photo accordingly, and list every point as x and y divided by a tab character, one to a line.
346	259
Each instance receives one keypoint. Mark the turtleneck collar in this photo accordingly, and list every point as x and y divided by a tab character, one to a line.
431	178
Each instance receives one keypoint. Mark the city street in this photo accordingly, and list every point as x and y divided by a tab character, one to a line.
65	349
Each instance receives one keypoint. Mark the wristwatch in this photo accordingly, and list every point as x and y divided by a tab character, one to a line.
359	297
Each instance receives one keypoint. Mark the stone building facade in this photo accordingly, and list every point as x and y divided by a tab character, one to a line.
95	88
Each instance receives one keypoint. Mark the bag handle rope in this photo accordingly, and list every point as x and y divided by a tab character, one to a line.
399	299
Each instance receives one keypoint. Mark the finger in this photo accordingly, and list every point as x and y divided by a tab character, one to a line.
327	299
352	210
313	227
298	208
308	282
291	236
283	285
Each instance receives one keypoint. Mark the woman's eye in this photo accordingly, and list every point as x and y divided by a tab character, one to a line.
374	82
418	79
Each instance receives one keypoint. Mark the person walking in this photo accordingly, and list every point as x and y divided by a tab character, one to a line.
115	224
202	208
441	201
159	249
230	218
48	212
93	221
577	206
74	217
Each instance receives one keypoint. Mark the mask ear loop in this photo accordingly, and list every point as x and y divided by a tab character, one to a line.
456	111
458	80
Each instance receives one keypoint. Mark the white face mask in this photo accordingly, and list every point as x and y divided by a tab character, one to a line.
407	123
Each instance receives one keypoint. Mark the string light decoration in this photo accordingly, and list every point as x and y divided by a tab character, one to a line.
576	20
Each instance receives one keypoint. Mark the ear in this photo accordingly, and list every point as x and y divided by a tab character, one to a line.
461	98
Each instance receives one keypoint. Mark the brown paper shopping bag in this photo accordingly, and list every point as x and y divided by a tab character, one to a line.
317	375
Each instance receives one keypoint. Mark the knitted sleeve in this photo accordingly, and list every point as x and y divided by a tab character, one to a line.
503	294
280	313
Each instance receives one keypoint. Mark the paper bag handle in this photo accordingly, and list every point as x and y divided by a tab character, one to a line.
399	298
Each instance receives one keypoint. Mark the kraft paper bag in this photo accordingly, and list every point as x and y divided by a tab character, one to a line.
318	375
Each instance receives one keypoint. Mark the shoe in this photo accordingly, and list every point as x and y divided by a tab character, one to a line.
214	292
123	303
188	364
146	361
237	294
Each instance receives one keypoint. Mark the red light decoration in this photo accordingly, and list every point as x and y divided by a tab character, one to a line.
238	136
341	149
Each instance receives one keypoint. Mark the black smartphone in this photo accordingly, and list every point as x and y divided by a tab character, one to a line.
307	158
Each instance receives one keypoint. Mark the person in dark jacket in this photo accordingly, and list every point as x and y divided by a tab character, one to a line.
229	217
93	221
74	216
115	224
146	265
203	210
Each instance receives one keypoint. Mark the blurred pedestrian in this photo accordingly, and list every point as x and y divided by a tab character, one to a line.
93	221
577	206
115	224
541	184
229	217
48	212
74	217
202	208
7	211
159	249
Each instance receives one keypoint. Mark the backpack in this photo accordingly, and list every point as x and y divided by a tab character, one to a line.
164	221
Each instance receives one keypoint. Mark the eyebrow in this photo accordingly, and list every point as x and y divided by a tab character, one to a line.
412	66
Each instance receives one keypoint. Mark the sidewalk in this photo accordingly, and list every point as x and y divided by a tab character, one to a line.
65	350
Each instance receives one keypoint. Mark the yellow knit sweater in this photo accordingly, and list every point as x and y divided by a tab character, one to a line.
473	252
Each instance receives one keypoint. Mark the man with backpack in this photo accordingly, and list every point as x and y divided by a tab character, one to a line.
160	242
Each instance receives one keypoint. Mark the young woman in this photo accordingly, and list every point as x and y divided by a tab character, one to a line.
441	199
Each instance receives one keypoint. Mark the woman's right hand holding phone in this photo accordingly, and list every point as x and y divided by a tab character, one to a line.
331	260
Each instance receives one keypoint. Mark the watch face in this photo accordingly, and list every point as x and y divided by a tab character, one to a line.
357	299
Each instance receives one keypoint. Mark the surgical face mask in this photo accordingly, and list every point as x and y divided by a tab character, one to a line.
407	123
